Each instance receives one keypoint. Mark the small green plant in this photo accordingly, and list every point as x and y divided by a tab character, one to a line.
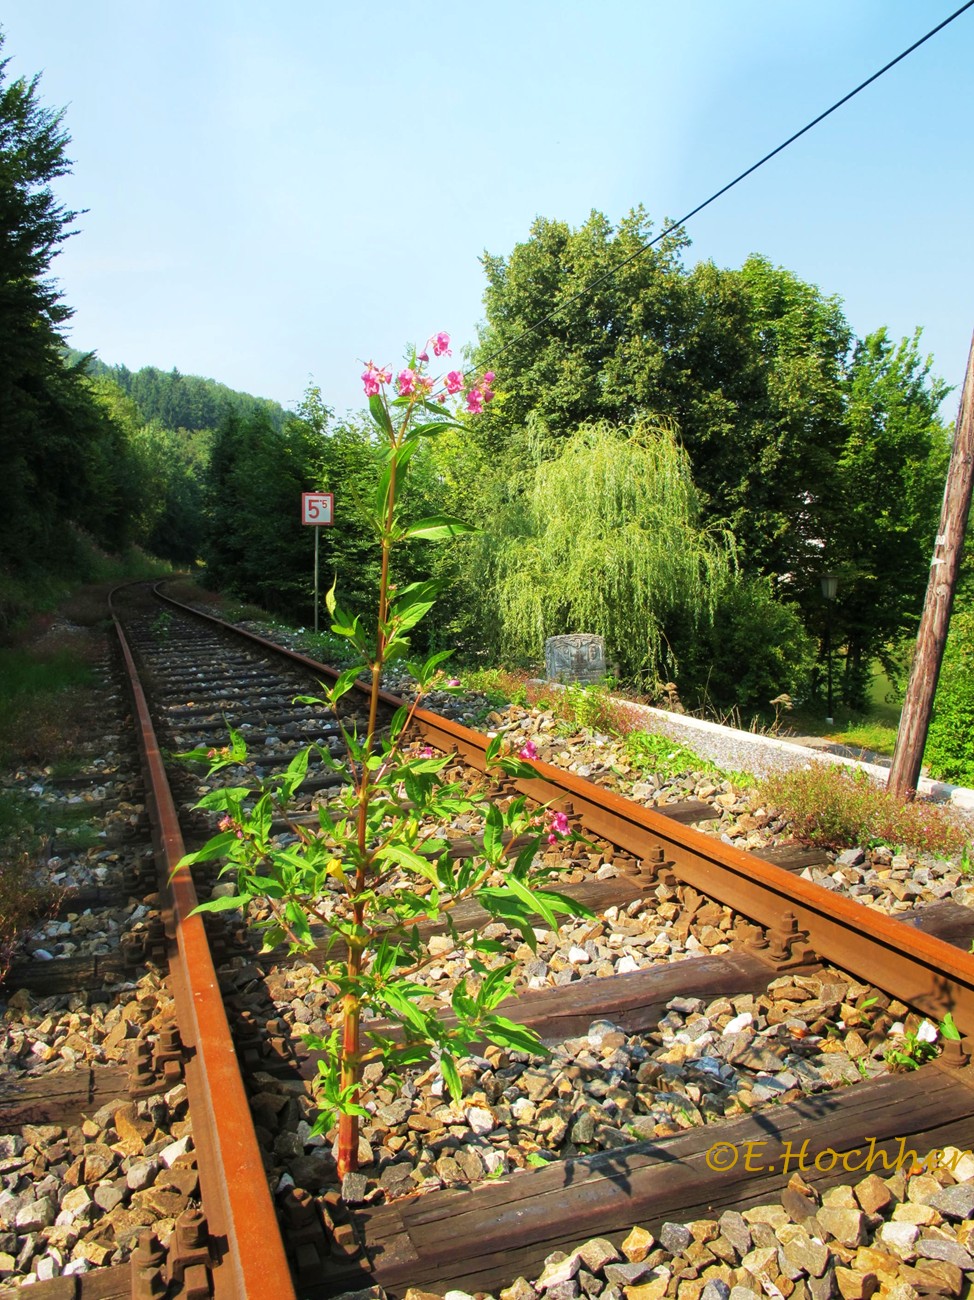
162	624
377	863
839	808
668	759
913	1048
948	1030
20	899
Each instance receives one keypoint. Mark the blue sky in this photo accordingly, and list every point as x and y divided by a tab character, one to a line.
276	197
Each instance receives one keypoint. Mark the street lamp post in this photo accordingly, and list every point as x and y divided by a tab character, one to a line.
830	587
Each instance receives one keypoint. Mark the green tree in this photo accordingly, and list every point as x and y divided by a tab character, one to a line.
812	448
607	538
889	485
66	459
33	225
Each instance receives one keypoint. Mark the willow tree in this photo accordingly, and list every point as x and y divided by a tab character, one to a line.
607	538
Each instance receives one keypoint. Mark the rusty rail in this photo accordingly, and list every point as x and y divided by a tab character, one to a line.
243	1227
917	968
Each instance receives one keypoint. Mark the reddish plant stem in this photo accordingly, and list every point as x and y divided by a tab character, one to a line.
348	1125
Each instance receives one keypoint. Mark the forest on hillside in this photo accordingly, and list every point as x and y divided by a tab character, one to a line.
175	401
673	460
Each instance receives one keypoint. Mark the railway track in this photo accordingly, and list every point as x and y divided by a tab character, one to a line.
271	1220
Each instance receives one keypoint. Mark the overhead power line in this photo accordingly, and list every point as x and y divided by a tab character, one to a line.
675	225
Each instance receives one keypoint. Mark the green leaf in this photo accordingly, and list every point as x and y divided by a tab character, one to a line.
217	847
437	527
424	674
516	767
226	903
564	904
502	904
493	834
227	799
948	1029
398	721
382	491
451	1076
330	597
405	857
535	900
380	415
412	603
505	1033
344	684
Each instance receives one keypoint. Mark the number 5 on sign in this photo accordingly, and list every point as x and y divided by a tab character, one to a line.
317	508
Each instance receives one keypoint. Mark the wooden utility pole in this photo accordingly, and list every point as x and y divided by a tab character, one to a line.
945	567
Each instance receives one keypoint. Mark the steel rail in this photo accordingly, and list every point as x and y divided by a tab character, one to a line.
919	969
236	1199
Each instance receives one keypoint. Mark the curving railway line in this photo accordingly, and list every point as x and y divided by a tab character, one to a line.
268	1220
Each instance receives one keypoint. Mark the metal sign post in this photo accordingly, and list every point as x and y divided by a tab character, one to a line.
317	509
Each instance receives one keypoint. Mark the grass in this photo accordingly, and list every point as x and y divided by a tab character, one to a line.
47	675
20	900
668	759
873	729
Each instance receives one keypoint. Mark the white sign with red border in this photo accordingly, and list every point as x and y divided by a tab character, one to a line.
317	508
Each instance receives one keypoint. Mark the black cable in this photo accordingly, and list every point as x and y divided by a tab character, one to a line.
675	225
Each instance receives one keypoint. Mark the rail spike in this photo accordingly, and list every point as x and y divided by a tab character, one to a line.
784	946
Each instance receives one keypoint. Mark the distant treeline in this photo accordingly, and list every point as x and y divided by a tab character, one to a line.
180	401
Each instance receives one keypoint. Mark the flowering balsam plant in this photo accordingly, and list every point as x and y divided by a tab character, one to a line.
377	863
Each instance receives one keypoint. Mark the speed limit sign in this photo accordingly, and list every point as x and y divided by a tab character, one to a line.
317	508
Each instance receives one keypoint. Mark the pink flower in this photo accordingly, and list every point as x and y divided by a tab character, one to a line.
453	381
373	377
475	401
424	356
426	752
406	382
441	343
225	823
528	751
454	681
425	383
557	826
487	381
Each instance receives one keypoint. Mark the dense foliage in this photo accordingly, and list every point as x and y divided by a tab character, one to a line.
63	459
818	451
949	752
607	537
